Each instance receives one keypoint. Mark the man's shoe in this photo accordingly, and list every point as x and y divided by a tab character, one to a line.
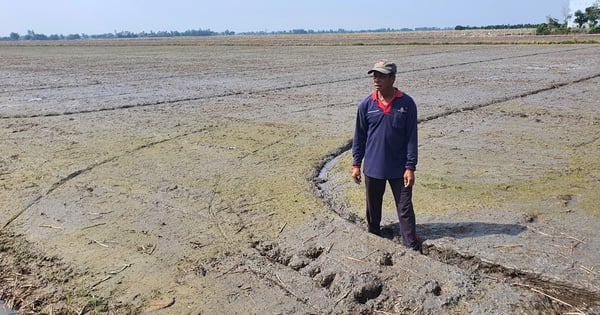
416	246
375	231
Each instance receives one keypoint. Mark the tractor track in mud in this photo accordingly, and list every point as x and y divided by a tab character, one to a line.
566	294
90	168
284	88
466	63
325	160
570	297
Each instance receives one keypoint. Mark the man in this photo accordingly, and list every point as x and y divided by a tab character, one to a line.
385	137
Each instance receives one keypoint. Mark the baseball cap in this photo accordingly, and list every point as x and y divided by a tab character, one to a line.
384	67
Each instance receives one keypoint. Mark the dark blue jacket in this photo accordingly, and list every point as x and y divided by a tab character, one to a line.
386	139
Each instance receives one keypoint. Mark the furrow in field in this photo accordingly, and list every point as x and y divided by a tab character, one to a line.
91	167
311	68
507	98
141	74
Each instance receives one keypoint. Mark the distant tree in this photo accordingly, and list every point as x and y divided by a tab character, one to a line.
495	27
14	36
124	34
73	36
30	35
551	27
593	15
553	22
580	18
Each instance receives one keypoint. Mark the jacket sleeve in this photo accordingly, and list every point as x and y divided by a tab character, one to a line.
412	154
359	141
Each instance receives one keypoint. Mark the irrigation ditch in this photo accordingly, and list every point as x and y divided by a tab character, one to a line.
561	295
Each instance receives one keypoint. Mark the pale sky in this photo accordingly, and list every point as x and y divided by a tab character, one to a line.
106	16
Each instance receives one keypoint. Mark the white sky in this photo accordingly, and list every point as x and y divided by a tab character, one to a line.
106	16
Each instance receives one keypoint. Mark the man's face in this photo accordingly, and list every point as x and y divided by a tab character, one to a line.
383	81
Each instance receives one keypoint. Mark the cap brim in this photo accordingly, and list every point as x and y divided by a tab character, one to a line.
380	70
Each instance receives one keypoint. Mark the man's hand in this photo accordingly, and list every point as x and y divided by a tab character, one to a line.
356	175
409	178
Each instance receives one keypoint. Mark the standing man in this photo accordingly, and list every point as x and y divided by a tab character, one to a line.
385	136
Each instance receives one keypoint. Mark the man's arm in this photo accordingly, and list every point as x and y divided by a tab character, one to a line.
412	145
359	143
356	177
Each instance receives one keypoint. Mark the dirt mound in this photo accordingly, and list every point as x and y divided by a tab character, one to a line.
334	267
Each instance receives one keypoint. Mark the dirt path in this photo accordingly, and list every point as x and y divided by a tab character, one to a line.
148	178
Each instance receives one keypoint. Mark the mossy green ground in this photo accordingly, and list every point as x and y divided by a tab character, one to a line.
508	156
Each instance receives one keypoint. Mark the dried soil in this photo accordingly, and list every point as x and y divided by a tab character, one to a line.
184	177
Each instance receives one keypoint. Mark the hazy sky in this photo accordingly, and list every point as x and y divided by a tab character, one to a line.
106	16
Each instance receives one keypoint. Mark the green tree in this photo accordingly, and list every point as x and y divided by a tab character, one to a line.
580	18
552	22
593	14
552	27
14	36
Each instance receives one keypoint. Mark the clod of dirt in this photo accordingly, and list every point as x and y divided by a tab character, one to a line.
430	287
367	287
298	262
313	252
386	259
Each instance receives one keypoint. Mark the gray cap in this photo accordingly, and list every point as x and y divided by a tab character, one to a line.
384	67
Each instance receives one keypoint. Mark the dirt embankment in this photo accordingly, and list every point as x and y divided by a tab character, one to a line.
148	178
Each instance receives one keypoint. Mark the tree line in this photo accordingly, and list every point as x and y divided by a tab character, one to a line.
585	21
32	35
496	27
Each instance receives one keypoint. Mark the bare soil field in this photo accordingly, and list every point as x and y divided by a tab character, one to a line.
212	176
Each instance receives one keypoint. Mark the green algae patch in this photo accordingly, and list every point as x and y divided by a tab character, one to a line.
520	156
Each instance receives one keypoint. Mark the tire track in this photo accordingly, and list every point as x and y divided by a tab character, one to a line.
476	106
320	173
316	66
91	167
568	295
318	179
139	72
285	88
127	106
508	98
327	160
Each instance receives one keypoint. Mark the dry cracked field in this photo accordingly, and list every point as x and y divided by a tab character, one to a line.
186	177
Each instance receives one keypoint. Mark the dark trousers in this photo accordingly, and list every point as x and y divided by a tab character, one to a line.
375	189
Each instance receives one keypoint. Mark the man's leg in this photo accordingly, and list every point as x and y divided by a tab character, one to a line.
406	213
374	191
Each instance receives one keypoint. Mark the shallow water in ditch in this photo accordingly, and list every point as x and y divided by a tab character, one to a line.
5	310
